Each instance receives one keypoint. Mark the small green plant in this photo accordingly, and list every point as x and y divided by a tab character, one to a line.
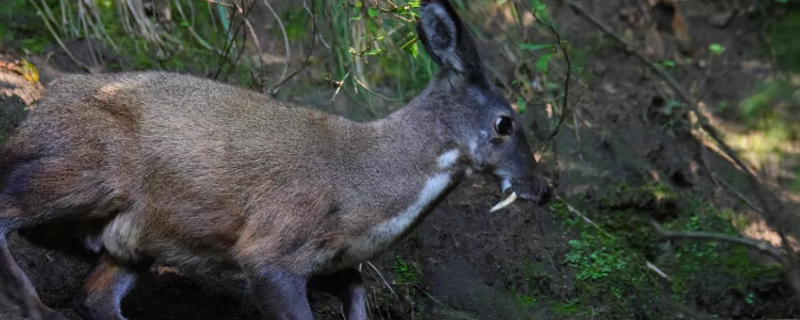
568	308
405	272
667	64
525	301
594	257
716	49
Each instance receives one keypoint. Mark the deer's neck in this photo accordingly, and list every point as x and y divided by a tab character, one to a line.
408	169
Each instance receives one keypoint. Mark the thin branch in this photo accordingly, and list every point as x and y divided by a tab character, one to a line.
230	45
58	39
249	26
564	103
194	33
761	246
386	283
276	86
373	92
285	38
314	17
736	193
340	83
219	3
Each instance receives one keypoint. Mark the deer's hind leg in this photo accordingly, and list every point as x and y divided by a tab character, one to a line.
24	202
16	289
103	291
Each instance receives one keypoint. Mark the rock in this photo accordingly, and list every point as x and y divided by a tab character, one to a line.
720	19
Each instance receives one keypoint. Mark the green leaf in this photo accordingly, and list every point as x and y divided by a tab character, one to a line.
534	46
372	12
521	105
356	18
671	105
541	65
537	5
668	64
411	47
716	48
373	52
358	4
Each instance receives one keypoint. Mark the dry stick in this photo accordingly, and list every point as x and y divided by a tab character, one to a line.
793	271
249	26
761	246
363	85
314	19
239	53
275	87
285	38
194	33
229	46
102	29
339	84
219	3
58	40
564	110
736	193
386	283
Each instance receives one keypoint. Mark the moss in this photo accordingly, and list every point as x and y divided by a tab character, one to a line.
525	301
405	272
609	260
569	308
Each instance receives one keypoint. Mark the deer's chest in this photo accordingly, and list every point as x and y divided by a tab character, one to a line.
390	230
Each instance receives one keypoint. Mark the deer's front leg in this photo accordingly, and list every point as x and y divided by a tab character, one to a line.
280	294
348	286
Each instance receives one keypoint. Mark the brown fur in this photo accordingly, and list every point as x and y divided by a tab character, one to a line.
230	181
193	172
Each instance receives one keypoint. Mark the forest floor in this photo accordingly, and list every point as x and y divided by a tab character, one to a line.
627	154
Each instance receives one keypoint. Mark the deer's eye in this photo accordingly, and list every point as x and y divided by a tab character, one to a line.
503	125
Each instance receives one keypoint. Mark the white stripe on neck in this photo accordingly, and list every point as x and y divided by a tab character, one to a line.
447	159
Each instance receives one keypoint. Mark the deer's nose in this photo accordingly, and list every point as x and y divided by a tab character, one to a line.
545	196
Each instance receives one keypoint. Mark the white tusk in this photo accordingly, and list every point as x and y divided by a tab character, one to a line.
505	202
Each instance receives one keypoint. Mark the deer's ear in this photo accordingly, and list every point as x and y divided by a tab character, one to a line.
445	39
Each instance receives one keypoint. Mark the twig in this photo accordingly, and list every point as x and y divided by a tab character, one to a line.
564	103
239	53
314	18
249	26
339	84
762	246
58	39
373	92
219	3
736	193
276	86
285	38
709	81
194	33
230	45
388	286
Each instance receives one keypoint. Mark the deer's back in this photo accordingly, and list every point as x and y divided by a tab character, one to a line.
179	149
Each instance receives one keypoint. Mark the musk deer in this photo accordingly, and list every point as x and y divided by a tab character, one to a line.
187	171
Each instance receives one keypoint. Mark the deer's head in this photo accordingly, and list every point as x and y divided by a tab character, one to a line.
475	110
